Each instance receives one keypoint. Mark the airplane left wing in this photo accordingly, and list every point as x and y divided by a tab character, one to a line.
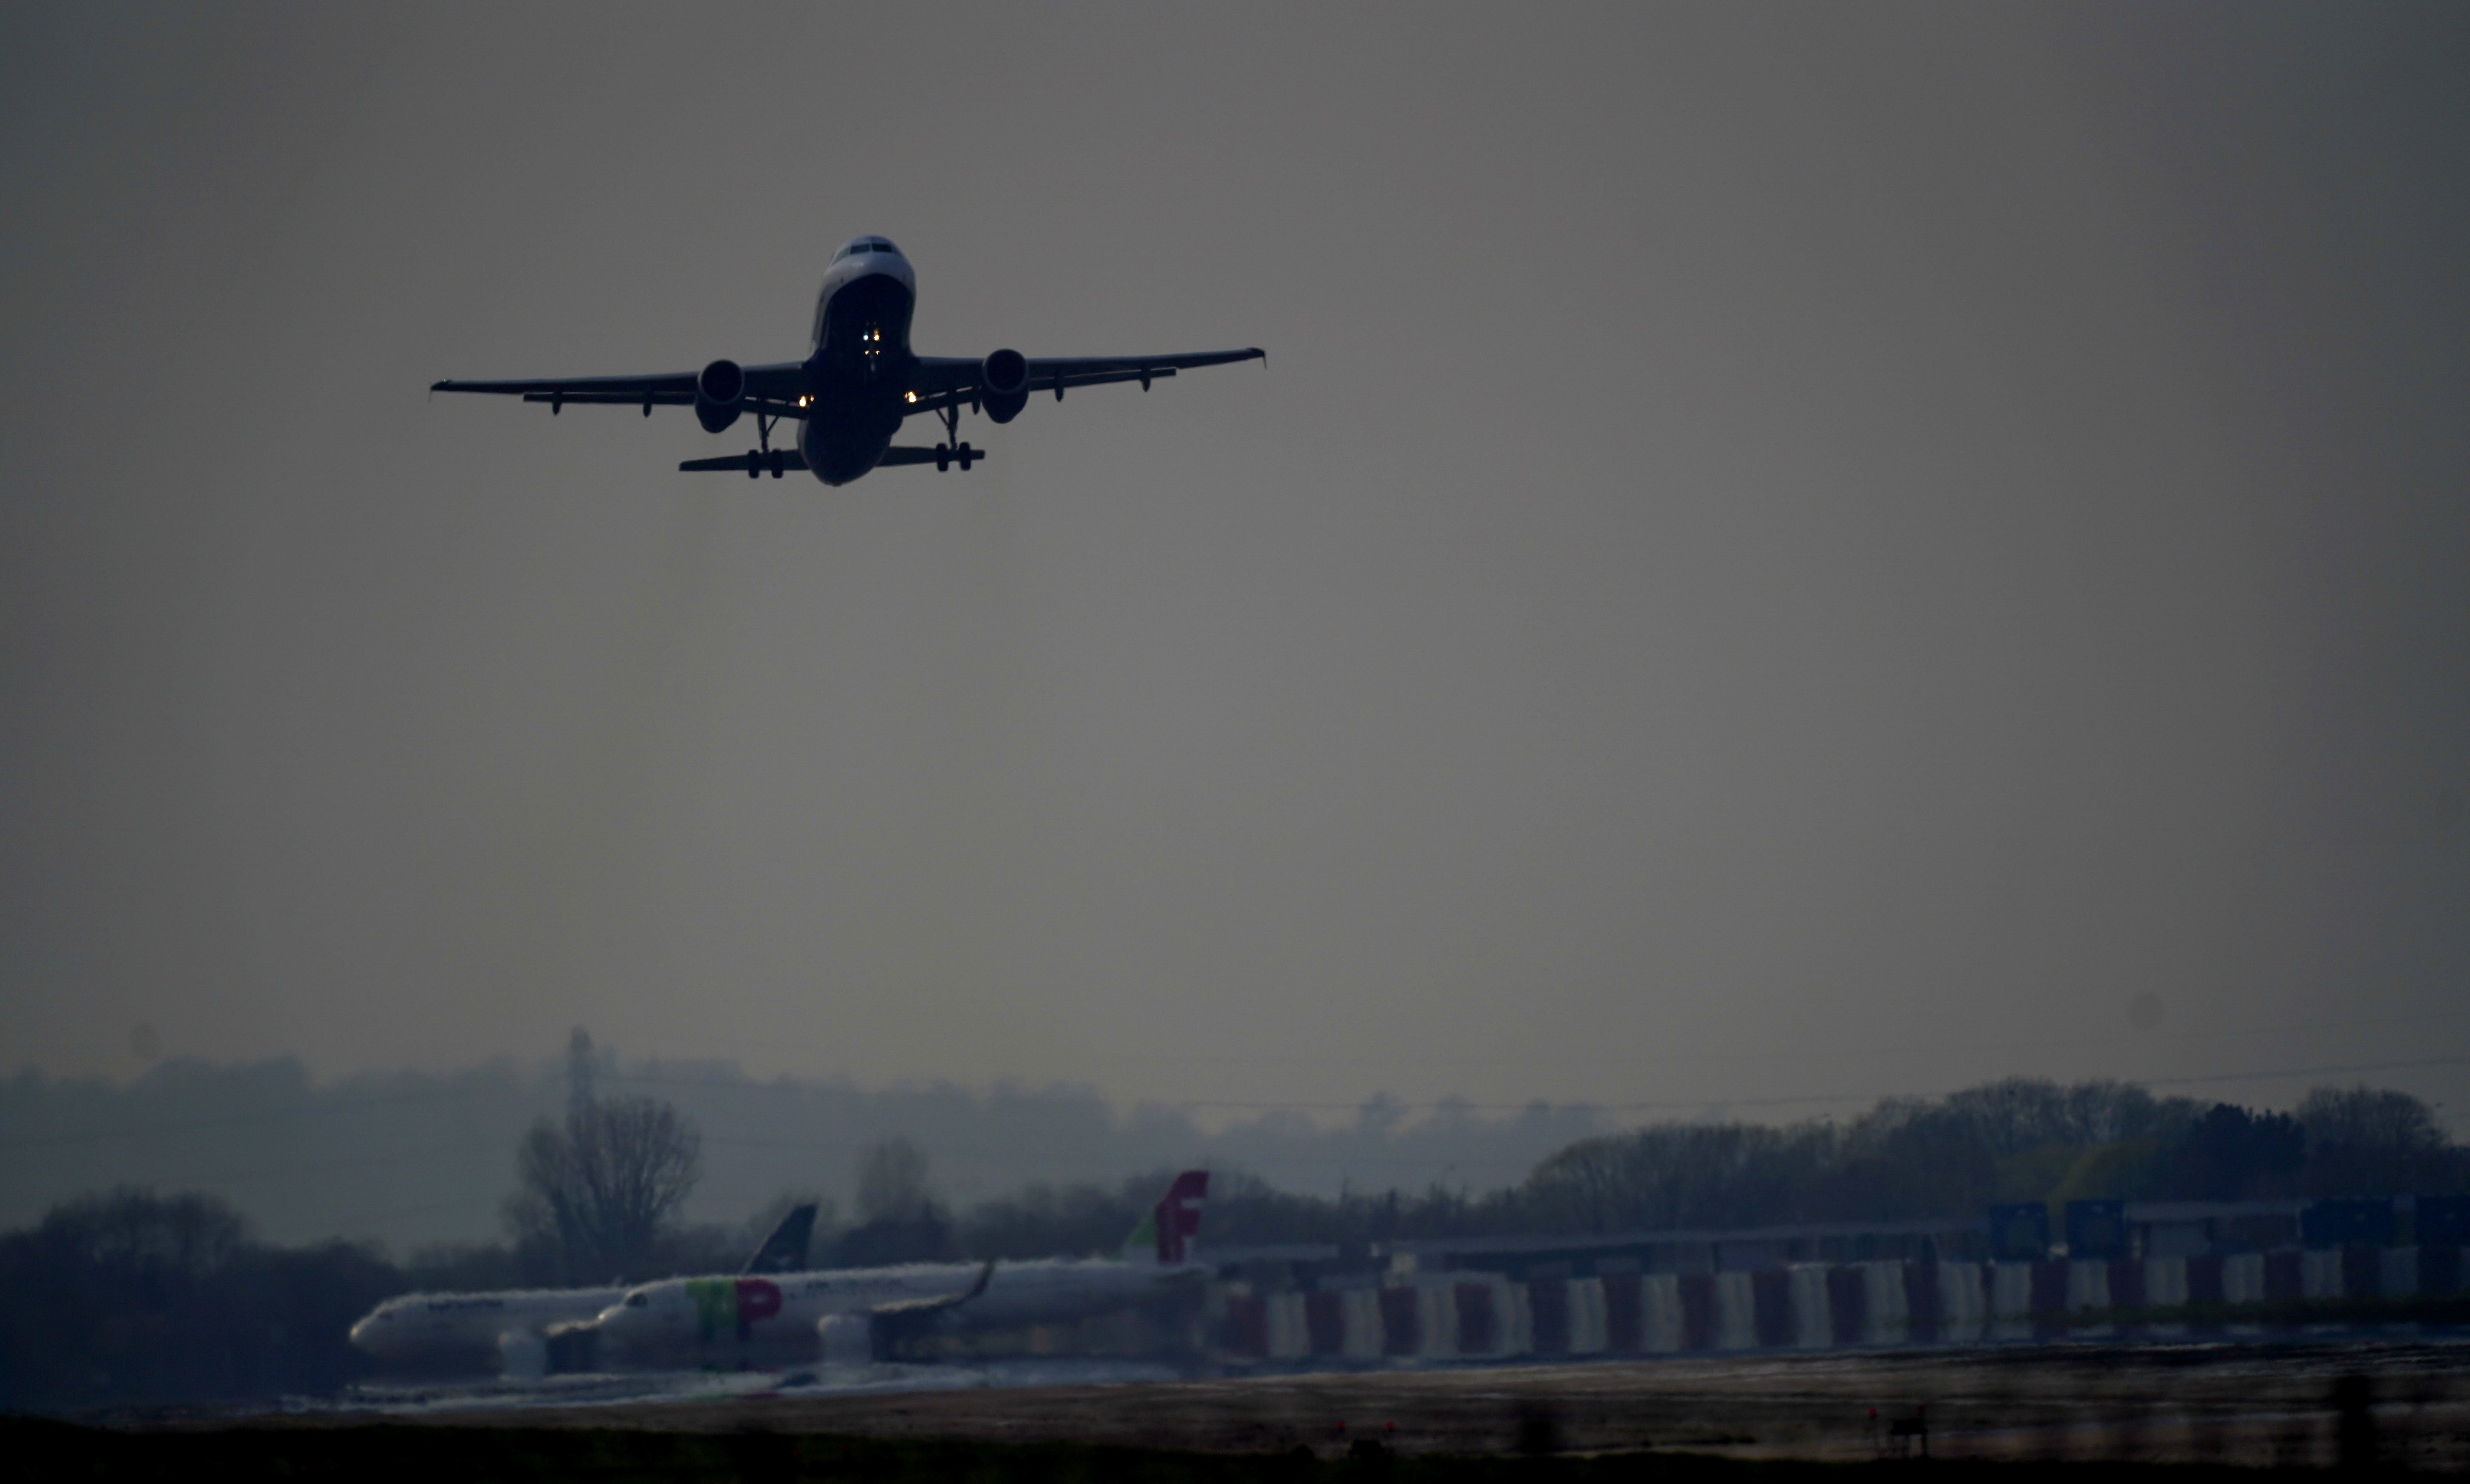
912	1309
945	380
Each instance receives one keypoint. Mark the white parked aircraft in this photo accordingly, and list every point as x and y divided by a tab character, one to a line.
851	395
510	1329
862	1314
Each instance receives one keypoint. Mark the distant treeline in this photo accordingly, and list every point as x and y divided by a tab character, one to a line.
134	1298
2018	1140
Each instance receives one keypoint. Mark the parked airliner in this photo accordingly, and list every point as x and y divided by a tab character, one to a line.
862	1314
851	393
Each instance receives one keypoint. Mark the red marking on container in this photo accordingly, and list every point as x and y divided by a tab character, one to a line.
1475	1319
1401	1323
2127	1282
1625	1326
1325	1323
1548	1301
1925	1304
1771	1306
1697	1311
1847	1305
1247	1325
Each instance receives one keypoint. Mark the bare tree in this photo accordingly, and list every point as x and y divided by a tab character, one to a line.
2369	1118
133	1229
598	1189
892	1182
2365	1141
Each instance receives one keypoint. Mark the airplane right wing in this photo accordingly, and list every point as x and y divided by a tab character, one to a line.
779	382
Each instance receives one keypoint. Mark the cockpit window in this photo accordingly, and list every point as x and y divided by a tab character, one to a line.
884	245
639	1299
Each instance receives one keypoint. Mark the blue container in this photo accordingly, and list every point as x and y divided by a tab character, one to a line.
2096	1228
2443	1222
2019	1232
2347	1223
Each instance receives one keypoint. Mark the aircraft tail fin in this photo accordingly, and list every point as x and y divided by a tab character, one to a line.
785	1251
1166	1235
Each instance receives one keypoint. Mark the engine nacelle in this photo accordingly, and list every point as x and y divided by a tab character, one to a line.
1005	381
847	1340
572	1346
720	393
522	1353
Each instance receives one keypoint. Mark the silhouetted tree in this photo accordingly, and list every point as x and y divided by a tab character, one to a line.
891	1181
1052	1221
2231	1154
598	1188
136	1297
2366	1141
898	1219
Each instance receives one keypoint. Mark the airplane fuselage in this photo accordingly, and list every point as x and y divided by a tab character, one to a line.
861	366
470	1331
736	1320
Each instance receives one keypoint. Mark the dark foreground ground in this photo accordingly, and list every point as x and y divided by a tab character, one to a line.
2177	1410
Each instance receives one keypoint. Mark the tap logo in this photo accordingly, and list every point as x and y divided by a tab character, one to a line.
735	1304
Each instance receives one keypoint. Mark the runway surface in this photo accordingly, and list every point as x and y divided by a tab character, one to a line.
2286	1401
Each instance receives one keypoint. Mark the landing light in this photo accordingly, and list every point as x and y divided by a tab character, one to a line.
912	396
803	400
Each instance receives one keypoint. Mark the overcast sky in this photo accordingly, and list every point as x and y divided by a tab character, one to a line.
1779	551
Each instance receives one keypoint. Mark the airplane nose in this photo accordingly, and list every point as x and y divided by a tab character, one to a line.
361	1333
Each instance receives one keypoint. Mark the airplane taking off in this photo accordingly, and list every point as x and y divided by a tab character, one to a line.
454	1330
861	1315
851	395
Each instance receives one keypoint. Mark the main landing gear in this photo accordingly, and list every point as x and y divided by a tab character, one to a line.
946	454
767	456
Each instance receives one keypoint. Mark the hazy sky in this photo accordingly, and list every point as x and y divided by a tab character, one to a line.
1778	552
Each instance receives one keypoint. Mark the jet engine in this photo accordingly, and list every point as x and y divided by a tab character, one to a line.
1005	380
522	1353
719	391
572	1346
848	1340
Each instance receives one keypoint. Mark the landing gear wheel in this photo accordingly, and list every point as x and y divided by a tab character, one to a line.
943	458
777	463
754	463
967	454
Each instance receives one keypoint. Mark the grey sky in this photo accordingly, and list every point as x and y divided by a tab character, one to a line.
1780	550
